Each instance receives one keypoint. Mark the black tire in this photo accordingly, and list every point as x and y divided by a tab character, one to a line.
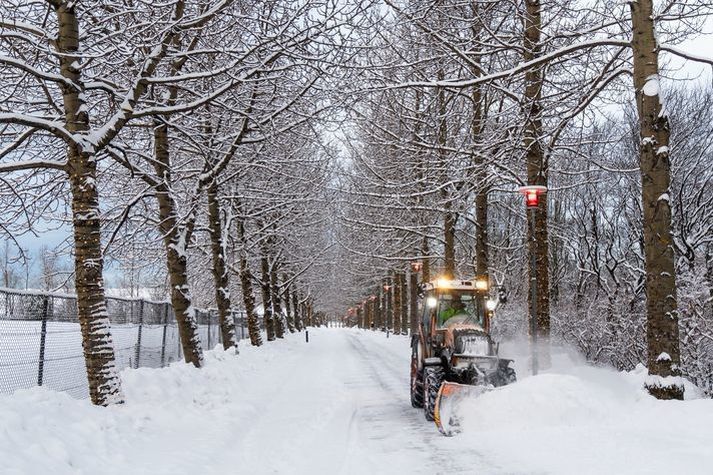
432	380
510	376
504	376
416	386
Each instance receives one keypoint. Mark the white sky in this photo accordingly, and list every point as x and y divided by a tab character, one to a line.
701	45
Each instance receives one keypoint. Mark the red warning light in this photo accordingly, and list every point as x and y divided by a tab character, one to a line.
532	194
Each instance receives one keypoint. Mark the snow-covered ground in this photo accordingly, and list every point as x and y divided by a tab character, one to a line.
339	405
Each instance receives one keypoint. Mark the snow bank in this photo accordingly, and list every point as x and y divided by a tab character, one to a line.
582	419
176	420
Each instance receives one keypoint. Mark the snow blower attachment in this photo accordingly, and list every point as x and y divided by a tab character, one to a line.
450	396
453	357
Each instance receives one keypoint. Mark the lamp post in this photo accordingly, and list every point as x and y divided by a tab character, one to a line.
532	200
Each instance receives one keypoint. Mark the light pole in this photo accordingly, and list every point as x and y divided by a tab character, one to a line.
532	200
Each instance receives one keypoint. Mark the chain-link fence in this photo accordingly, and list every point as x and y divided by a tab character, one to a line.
41	343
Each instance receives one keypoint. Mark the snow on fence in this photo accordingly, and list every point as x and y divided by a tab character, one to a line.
41	343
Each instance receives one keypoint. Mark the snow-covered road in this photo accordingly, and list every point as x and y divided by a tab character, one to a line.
339	405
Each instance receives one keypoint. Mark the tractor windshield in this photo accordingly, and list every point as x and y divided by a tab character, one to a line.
459	306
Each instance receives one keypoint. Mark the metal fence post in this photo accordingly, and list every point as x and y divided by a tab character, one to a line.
243	320
43	339
163	338
138	339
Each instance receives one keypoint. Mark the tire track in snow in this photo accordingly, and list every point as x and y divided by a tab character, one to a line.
440	454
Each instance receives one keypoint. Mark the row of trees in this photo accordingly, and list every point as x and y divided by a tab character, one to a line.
393	305
187	123
478	98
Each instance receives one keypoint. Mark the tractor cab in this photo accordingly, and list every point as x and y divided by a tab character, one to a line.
451	307
449	302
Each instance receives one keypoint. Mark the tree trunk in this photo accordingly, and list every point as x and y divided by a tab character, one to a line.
398	309
246	285
305	315
372	312
449	219
278	318
425	251
379	311
388	299
403	304
481	232
310	312
298	314
175	239
102	376
481	175
662	332
220	270
537	175
288	306
413	302
267	298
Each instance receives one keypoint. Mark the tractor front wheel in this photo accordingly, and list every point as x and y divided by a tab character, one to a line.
432	379
504	376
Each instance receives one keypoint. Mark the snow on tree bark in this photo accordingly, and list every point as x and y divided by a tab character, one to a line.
449	217
404	304
398	310
413	302
220	271
662	331
276	302
288	304
246	278
297	309
175	238
104	383
267	305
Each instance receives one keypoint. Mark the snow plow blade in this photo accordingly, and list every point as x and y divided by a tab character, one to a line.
450	395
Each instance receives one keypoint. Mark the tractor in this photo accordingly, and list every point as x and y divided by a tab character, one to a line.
453	355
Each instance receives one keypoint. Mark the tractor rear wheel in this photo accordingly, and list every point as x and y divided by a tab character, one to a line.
432	379
416	384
